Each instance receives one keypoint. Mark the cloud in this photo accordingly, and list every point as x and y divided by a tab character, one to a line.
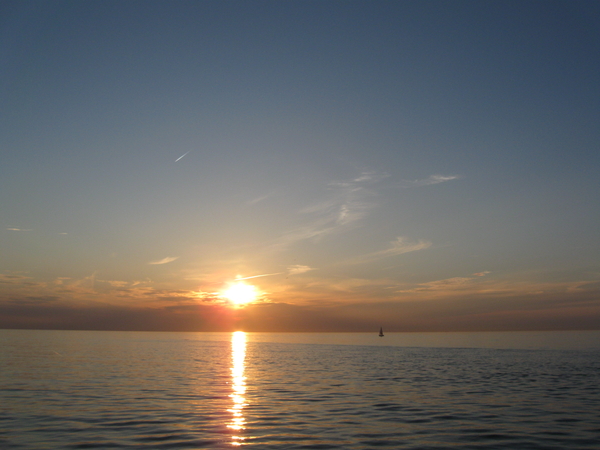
298	269
370	177
61	280
472	283
31	300
451	284
402	245
448	283
256	200
18	229
239	278
460	303
181	156
397	247
433	179
12	278
177	317
166	260
346	203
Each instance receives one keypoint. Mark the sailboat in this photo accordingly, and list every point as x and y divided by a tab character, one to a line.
381	332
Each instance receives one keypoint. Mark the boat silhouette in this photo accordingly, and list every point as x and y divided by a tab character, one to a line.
381	332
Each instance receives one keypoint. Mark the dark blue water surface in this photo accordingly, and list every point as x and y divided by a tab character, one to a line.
74	390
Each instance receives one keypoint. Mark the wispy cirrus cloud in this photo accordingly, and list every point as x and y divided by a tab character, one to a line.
345	204
397	247
450	284
433	179
239	277
18	229
297	269
403	245
260	199
166	260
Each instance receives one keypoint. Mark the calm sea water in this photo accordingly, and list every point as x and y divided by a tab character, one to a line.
77	389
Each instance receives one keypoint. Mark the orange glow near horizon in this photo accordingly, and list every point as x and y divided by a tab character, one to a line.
240	293
238	385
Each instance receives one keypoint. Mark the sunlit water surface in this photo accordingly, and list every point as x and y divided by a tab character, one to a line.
76	389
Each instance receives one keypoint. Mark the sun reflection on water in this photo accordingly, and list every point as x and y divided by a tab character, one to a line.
238	385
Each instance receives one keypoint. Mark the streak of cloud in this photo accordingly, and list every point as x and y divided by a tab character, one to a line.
398	247
297	269
166	260
433	179
448	285
181	156
402	245
258	276
256	200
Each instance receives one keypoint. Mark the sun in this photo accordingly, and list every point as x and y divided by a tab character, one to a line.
240	293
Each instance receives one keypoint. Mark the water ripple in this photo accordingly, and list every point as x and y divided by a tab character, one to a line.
156	393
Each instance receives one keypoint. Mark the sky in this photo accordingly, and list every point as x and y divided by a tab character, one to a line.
415	165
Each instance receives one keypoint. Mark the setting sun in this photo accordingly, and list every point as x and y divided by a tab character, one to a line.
240	293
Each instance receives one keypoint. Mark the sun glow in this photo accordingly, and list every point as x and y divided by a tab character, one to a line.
240	293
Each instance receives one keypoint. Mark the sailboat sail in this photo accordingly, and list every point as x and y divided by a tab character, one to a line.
381	332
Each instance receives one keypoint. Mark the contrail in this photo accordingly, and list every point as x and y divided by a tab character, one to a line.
258	276
181	156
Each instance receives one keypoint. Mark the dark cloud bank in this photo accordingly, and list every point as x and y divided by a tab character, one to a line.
580	311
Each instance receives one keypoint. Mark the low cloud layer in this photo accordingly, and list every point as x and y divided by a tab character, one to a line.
581	311
475	302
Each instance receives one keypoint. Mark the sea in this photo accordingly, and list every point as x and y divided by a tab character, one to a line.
159	390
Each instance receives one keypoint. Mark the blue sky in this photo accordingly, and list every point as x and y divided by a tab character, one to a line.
420	165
